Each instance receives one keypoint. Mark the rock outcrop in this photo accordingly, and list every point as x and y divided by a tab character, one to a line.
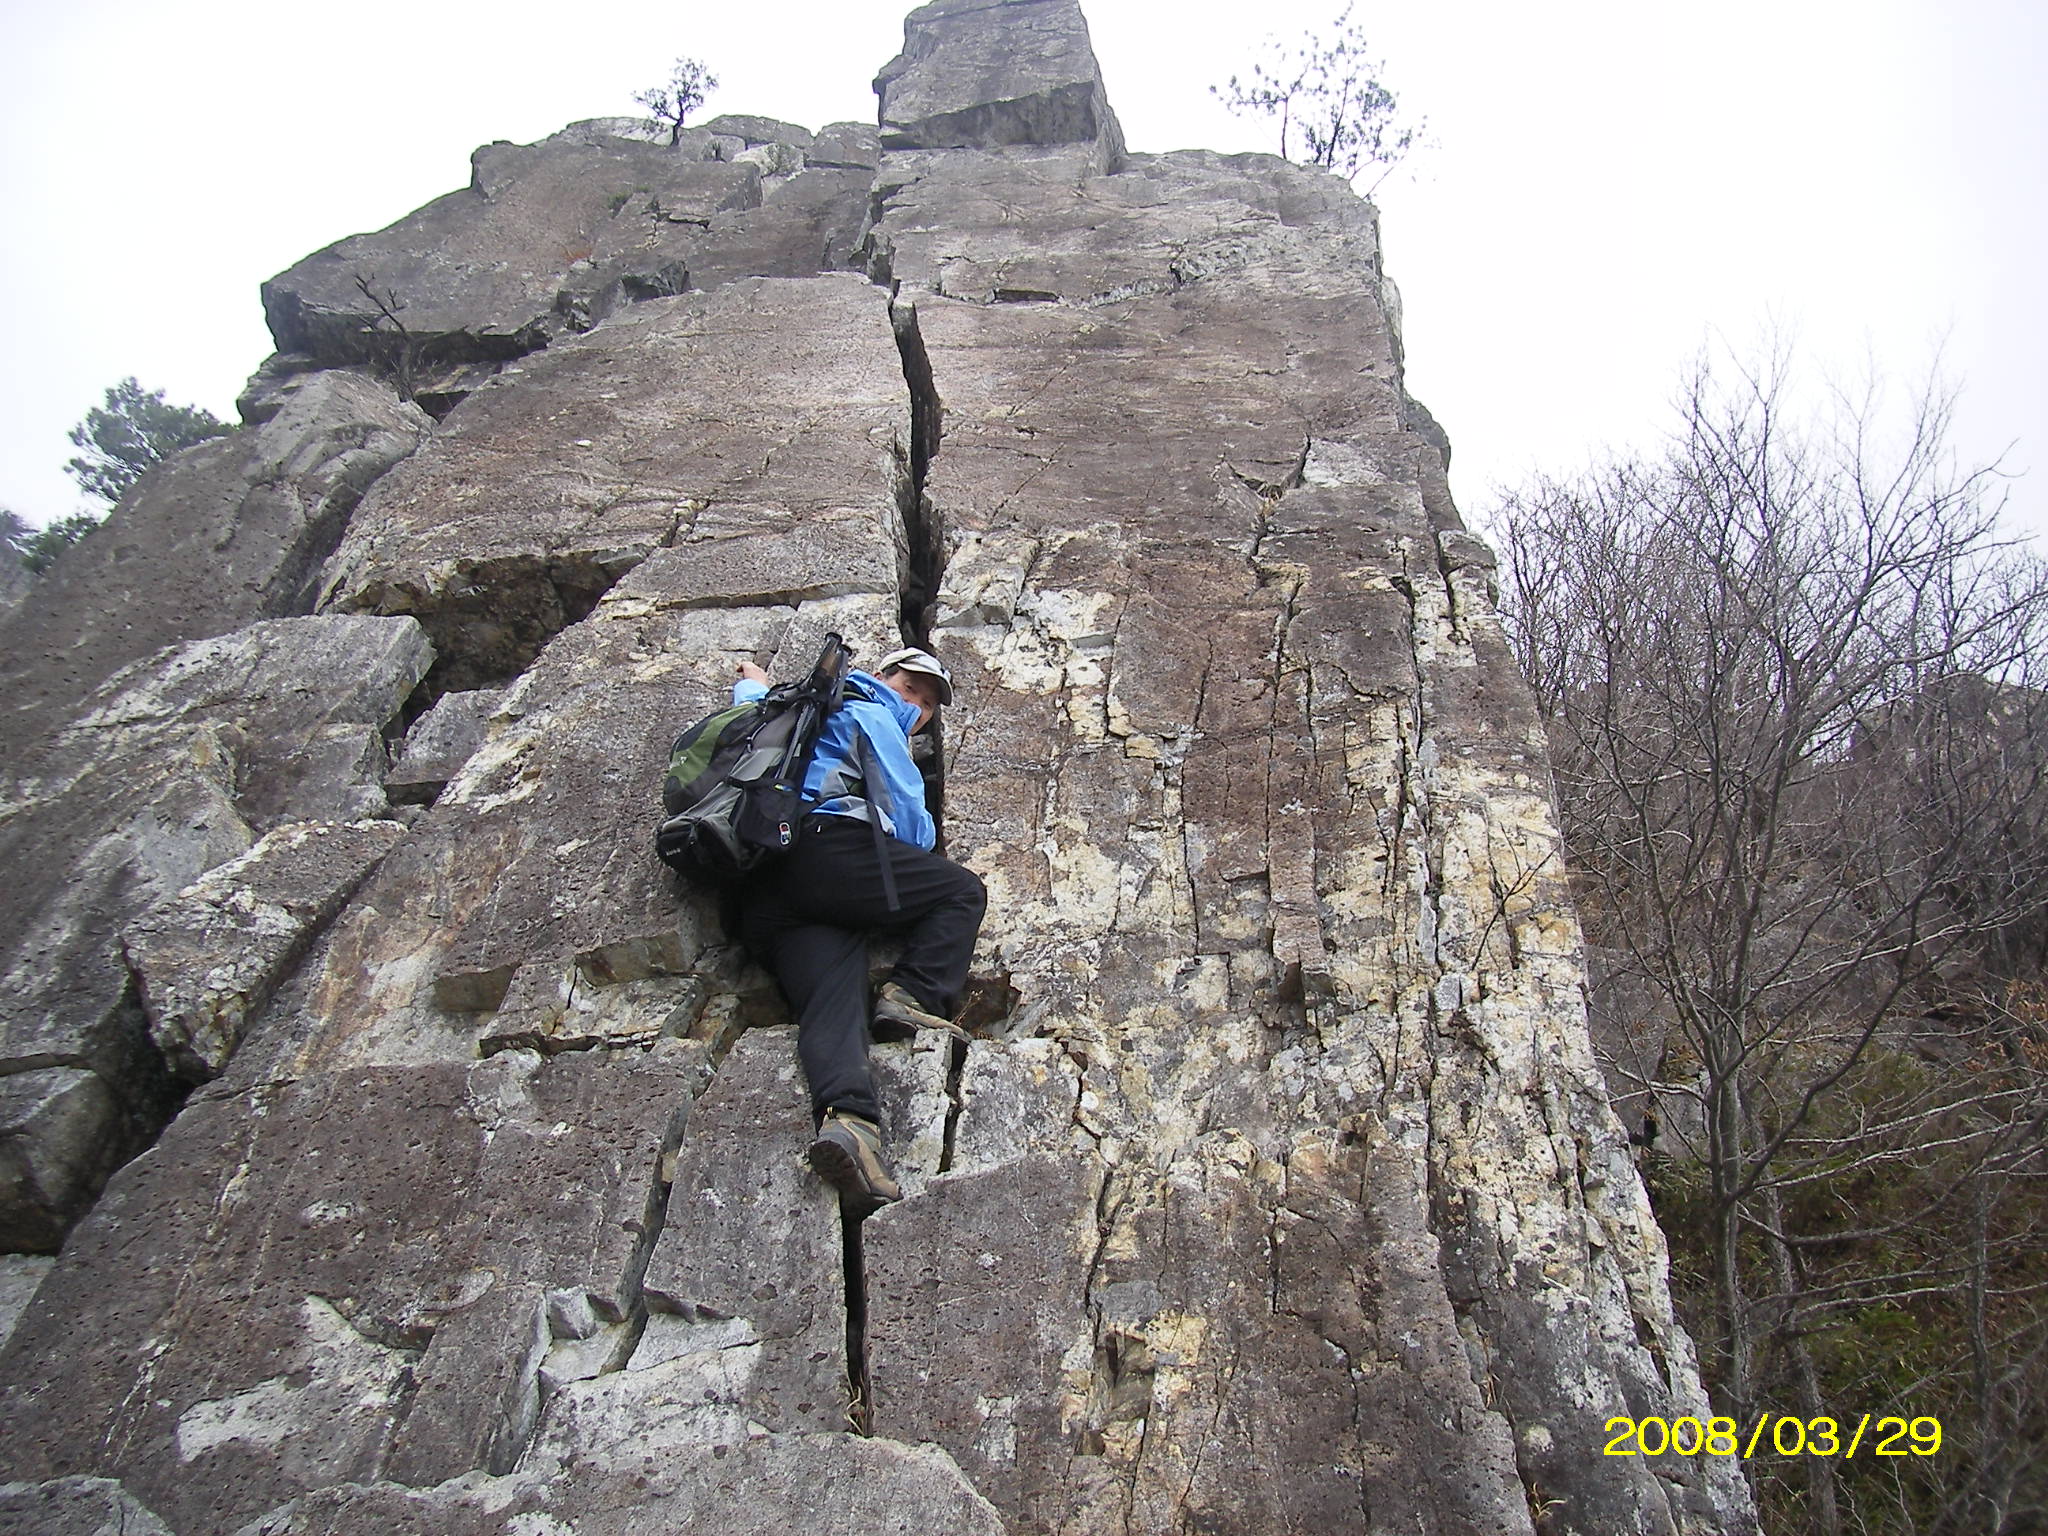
224	534
1277	1189
173	768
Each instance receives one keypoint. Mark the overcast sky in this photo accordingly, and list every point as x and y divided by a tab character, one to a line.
1613	185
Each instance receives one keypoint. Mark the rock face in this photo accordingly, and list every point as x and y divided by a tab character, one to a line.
987	73
551	238
174	767
1277	1190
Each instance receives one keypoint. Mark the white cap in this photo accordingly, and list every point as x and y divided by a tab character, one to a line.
911	659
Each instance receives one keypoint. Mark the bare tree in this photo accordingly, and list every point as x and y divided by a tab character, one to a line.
397	353
1792	687
1331	92
670	104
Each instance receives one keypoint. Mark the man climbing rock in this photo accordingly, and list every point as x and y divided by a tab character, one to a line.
807	916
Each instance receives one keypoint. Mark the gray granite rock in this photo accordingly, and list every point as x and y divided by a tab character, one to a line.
326	1284
20	1276
438	744
545	241
983	74
977	1295
208	958
55	1152
537	857
753	423
776	162
758	130
846	147
1260	805
594	131
753	1237
172	768
1277	1191
75	1506
552	238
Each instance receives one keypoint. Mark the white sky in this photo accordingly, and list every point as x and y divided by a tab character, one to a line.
1614	183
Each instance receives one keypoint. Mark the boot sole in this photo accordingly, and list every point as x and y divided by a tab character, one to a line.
842	1170
888	1029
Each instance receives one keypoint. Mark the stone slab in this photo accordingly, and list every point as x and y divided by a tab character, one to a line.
544	241
982	75
318	1277
438	744
976	1304
766	406
169	769
209	958
754	1235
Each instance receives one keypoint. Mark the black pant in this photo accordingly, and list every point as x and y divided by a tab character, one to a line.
807	916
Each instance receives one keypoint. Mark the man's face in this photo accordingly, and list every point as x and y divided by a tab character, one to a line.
919	690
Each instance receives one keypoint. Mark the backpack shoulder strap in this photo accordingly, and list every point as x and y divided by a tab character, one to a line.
877	789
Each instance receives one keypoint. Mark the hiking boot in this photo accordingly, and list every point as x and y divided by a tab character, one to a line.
898	1017
848	1156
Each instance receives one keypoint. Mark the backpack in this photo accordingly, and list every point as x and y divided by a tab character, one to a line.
734	794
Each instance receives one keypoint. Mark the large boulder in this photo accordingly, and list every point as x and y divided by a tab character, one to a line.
551	238
367	1309
758	434
544	240
981	75
208	958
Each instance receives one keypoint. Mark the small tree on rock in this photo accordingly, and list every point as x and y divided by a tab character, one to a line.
1331	92
136	429
670	104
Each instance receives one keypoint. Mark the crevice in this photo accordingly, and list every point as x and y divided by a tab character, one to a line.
137	1096
491	619
860	1409
956	1071
922	530
926	428
654	1218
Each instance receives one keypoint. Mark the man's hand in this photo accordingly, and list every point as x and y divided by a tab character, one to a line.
752	673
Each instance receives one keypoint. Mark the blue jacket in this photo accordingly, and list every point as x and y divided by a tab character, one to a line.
885	719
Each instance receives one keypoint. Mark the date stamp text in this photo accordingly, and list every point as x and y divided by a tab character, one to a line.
1780	1433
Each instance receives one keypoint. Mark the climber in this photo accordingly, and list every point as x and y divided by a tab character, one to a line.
806	916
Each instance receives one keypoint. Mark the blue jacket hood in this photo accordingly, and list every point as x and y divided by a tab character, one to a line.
875	691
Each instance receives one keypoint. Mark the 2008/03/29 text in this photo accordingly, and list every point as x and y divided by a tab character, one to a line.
1788	1436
